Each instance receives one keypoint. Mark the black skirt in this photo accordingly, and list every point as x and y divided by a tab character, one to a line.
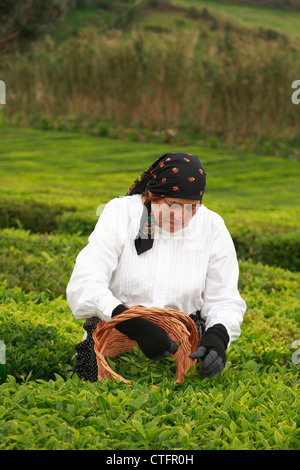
86	362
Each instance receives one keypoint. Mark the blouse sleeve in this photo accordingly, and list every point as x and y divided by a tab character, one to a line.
88	292
222	301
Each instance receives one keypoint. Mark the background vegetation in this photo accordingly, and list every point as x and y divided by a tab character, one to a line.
93	97
202	72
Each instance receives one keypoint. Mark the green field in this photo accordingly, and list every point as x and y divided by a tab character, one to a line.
286	22
51	185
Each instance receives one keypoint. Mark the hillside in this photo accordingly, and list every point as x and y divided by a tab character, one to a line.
163	16
163	71
199	68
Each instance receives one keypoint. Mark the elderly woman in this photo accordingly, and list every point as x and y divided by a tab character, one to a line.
159	246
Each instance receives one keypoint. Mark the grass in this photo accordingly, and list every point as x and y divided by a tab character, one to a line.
285	22
252	405
77	19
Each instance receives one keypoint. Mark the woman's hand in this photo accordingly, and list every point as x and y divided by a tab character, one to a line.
212	350
153	340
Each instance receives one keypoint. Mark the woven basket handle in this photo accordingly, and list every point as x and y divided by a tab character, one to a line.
178	325
141	311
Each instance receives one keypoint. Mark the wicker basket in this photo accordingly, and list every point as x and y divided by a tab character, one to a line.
109	342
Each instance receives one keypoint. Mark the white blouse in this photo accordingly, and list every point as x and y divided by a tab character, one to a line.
193	269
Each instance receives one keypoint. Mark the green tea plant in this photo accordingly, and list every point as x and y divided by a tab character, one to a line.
252	404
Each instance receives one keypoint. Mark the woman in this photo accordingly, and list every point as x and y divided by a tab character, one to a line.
160	246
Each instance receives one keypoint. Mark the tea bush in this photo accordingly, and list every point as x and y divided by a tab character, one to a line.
252	404
40	332
236	411
38	262
44	262
279	249
31	215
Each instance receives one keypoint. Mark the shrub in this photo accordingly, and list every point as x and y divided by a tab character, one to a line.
279	249
31	215
40	331
38	263
252	404
39	334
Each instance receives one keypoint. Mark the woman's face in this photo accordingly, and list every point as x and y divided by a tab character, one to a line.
173	214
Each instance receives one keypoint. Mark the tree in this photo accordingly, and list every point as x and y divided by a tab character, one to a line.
25	20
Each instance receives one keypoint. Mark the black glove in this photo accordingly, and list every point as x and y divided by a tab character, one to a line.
151	338
211	350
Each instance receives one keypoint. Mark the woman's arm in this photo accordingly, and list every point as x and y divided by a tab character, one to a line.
222	301
223	307
88	292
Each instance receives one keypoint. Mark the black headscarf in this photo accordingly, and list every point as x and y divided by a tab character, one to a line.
178	175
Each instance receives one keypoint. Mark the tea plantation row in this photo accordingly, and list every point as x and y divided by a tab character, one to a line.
280	248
